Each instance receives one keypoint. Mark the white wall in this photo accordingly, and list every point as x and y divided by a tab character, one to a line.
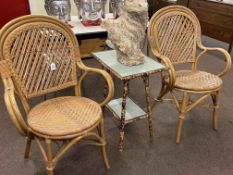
37	7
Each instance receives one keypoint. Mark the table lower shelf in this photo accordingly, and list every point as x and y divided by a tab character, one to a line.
133	111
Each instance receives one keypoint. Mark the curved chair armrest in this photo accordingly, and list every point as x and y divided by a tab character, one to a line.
164	59
107	77
171	70
12	107
225	53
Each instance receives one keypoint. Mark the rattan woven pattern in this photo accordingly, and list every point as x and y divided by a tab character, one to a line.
64	116
41	59
177	42
197	80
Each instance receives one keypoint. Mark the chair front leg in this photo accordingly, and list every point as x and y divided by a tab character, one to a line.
164	90
50	165
103	147
182	111
215	99
28	145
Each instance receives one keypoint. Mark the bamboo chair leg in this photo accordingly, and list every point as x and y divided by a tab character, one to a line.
179	129
28	146
164	90
50	166
181	117
99	130
103	147
215	99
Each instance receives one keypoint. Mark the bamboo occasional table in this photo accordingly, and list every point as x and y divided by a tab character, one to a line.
124	108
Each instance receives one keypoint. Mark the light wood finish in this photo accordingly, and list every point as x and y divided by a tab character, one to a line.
87	46
174	34
39	55
198	80
65	114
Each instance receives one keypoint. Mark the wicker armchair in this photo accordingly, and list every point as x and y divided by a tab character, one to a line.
40	55
174	35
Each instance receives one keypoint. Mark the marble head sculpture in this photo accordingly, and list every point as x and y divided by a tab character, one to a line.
58	8
91	11
127	33
116	6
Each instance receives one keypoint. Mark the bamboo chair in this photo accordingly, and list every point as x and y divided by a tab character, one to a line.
174	35
39	55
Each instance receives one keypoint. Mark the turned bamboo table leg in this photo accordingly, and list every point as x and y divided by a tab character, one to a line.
105	83
105	86
122	126
148	104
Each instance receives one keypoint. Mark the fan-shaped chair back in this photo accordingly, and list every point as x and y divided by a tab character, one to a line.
173	32
41	54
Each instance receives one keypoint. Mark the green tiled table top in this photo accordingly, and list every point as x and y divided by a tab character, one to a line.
109	60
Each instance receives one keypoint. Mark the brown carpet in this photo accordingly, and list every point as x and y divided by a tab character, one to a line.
202	151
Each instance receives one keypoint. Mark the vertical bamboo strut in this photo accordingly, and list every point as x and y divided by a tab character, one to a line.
148	105
174	33
122	125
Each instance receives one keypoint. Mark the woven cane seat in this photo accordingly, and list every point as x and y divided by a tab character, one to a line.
198	80
64	116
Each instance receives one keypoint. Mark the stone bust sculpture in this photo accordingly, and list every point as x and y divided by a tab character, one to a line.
91	11
127	33
116	6
58	8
